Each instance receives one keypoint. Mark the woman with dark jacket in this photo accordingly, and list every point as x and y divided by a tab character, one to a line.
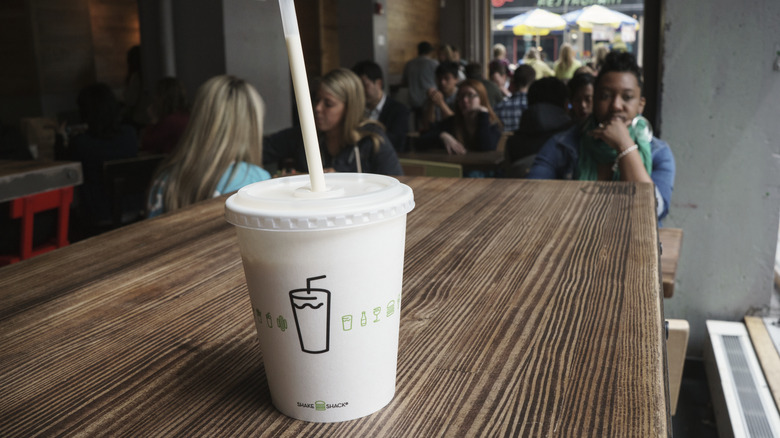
348	141
474	127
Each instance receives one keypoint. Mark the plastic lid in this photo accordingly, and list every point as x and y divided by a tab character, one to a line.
288	204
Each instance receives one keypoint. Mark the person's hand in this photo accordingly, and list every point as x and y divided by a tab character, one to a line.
614	133
452	145
436	97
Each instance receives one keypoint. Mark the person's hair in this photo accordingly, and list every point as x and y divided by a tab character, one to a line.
225	127
455	50
585	69
622	62
424	48
369	69
532	54
499	51
496	66
524	75
99	109
548	90
445	51
347	87
565	58
599	53
170	97
473	70
460	118
578	81
447	67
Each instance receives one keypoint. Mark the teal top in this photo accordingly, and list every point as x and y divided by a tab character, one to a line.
245	174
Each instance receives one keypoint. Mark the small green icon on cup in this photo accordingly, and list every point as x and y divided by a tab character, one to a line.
270	320
281	323
363	319
377	311
319	405
390	308
346	322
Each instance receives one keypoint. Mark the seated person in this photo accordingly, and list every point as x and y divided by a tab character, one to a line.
566	64
168	114
440	102
348	141
546	115
581	96
101	139
499	75
473	127
379	106
510	110
534	59
494	93
615	143
220	151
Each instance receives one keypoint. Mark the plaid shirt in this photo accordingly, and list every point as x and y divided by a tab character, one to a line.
510	109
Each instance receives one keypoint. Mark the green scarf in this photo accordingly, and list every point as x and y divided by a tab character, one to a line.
594	152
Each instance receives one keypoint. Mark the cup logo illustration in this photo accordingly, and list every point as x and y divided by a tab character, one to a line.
311	309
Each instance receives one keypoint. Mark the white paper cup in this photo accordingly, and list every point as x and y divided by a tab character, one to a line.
324	273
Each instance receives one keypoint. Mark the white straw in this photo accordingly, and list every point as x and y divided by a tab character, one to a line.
302	96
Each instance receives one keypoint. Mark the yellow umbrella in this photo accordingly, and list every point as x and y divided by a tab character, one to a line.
534	22
596	15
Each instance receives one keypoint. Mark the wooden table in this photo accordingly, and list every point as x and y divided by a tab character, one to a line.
24	178
530	308
484	161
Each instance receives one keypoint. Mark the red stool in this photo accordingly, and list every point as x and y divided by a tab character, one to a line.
26	208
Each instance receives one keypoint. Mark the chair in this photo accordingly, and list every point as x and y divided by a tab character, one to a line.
25	209
501	146
413	167
126	182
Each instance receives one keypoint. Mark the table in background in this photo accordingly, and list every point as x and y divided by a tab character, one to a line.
530	308
484	161
32	187
24	178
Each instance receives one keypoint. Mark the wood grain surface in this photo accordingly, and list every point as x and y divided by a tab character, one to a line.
24	178
767	354
530	308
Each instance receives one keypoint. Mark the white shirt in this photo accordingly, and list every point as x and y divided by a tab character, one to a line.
374	113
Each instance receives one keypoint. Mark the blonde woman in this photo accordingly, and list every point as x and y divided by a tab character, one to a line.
220	151
349	142
566	63
534	59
